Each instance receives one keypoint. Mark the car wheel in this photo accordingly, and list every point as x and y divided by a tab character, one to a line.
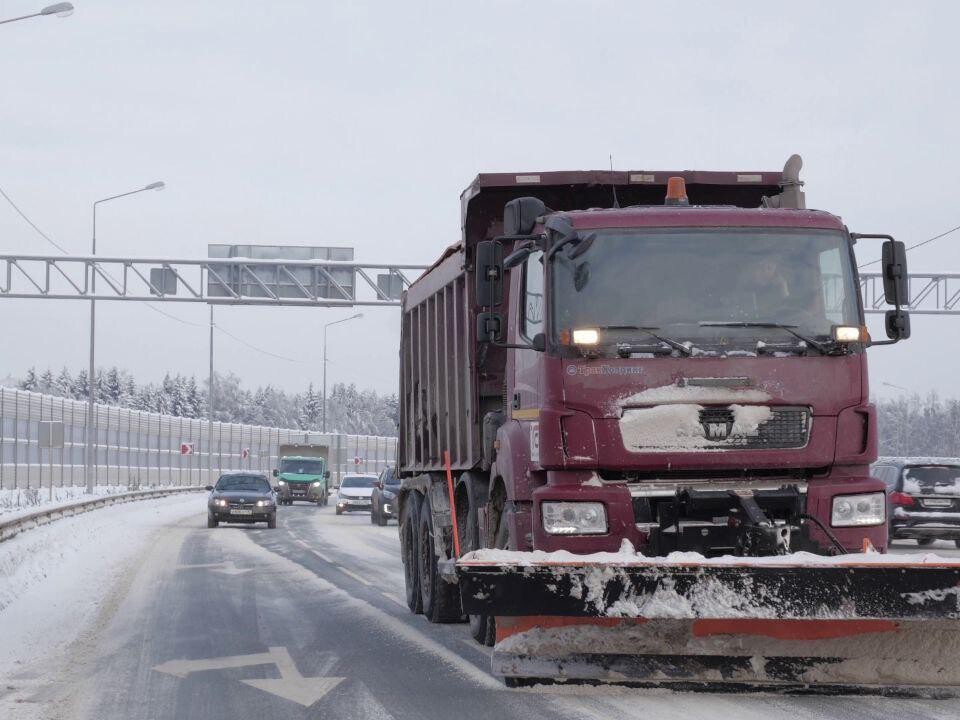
212	522
373	515
441	600
382	519
272	522
339	511
956	544
924	542
409	523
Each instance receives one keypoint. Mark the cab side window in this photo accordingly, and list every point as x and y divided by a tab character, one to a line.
532	322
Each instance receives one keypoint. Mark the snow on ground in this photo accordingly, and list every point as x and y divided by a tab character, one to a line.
15	503
53	579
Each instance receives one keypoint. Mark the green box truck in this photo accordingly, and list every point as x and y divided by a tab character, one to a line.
303	473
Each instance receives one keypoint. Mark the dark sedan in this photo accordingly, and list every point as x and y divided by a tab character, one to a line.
924	496
241	497
383	500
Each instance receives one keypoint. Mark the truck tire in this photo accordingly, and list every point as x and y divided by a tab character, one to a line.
409	522
483	628
441	600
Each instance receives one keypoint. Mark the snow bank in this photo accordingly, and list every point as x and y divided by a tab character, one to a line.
15	503
53	579
694	394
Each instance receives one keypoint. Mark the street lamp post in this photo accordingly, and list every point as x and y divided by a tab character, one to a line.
91	380
323	422
60	10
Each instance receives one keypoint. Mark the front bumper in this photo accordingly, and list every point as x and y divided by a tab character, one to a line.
300	491
362	504
623	522
258	515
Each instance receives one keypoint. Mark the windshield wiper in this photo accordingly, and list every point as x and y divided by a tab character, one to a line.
822	348
683	349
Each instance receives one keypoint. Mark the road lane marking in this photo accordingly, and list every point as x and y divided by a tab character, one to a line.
398	601
291	685
341	568
225	568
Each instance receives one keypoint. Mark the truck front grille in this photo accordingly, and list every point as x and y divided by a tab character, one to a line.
787	427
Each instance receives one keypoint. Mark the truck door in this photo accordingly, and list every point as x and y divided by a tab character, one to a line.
529	321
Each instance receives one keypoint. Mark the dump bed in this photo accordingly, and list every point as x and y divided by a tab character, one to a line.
447	382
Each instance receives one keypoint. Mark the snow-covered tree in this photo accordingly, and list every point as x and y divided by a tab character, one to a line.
29	381
64	384
81	388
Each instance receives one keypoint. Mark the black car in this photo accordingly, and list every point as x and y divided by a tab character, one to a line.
924	495
384	498
241	497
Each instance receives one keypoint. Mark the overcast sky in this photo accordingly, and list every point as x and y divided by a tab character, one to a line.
359	123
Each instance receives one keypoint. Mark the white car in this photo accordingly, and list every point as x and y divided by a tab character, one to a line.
354	492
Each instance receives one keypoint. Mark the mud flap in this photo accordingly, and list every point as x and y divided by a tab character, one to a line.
889	628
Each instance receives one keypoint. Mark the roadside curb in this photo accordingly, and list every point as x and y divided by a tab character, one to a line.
11	528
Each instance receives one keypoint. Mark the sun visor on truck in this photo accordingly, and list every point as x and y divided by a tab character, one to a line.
482	203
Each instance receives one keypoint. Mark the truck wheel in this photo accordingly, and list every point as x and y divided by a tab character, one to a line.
441	601
272	522
408	551
212	522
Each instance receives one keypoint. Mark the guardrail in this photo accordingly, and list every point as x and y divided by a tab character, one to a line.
10	528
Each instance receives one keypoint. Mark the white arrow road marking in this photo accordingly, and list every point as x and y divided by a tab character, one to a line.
290	686
225	568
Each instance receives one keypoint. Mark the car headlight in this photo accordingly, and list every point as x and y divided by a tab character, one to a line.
264	503
858	510
574	518
221	503
387	509
315	483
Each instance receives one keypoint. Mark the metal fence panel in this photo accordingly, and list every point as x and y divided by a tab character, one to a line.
137	449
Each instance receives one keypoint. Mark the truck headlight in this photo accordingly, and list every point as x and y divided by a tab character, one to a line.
281	482
315	483
857	510
574	518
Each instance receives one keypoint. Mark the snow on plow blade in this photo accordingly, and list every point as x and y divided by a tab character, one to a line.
861	625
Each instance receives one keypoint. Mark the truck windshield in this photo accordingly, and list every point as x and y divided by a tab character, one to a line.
302	467
932	480
687	284
243	483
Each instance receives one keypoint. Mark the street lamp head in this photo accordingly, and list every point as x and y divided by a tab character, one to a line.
63	9
159	185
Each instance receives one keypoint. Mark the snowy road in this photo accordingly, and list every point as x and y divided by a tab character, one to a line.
306	621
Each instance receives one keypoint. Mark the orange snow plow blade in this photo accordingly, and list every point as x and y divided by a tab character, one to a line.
862	626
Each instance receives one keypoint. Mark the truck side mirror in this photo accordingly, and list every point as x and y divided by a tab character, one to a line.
489	327
897	324
489	275
276	473
895	282
326	474
520	215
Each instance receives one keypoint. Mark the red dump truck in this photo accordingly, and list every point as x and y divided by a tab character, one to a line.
646	394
